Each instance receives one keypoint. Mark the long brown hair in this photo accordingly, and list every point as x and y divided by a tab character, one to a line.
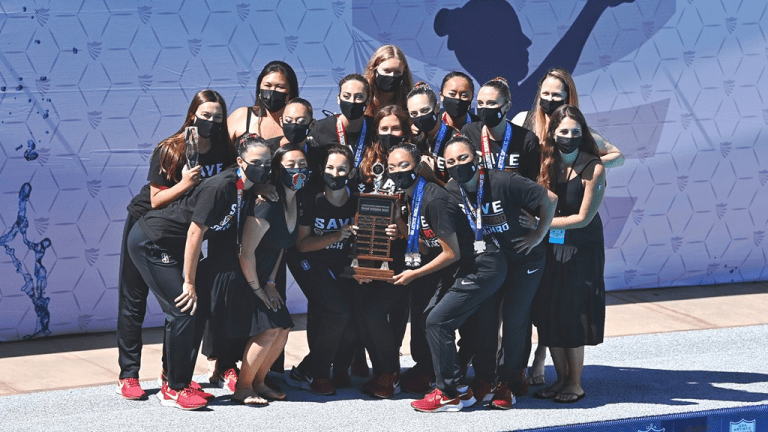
536	121
173	149
376	152
550	156
384	53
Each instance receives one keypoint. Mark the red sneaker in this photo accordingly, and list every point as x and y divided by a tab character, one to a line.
228	380
385	386
415	380
502	397
322	387
482	390
437	401
466	396
130	389
186	399
195	387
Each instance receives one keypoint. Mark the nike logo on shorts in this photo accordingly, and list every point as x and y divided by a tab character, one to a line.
532	271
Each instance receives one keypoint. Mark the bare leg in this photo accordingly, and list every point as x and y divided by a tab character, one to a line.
273	352
561	367
536	372
575	362
256	352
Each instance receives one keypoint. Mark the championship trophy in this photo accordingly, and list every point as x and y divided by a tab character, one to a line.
370	253
191	139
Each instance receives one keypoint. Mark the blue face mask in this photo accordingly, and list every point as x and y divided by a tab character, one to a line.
295	178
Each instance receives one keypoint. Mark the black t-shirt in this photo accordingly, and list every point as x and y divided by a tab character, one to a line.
324	134
504	195
324	218
441	217
212	203
211	163
523	153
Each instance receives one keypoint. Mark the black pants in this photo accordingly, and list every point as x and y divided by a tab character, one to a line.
132	294
421	292
375	303
162	271
457	299
329	305
512	305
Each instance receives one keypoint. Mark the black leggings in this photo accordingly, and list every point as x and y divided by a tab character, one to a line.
161	269
459	296
132	294
375	302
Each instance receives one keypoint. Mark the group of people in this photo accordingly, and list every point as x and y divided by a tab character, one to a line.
496	231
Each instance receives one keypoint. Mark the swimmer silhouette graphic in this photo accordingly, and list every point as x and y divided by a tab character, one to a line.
501	48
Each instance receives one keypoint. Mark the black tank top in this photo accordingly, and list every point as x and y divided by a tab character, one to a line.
569	198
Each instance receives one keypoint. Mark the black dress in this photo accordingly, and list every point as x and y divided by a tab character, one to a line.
569	308
249	316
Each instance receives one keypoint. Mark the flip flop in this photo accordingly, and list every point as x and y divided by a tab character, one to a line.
536	380
578	397
545	394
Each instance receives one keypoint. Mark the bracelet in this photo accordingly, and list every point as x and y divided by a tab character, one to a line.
271	282
537	224
251	285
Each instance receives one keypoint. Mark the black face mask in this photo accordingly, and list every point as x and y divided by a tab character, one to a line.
568	145
352	110
273	100
207	128
549	106
426	122
455	107
491	117
403	179
462	173
388	141
335	183
257	174
388	83
294	178
295	133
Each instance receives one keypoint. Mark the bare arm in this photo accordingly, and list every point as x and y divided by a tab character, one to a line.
253	232
306	242
594	178
449	255
236	123
610	155
160	198
188	298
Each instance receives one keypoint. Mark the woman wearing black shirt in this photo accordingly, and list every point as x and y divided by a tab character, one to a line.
275	86
351	128
325	224
169	177
165	245
271	227
502	145
468	274
499	195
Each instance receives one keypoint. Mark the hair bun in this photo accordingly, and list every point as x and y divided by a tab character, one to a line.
421	84
501	80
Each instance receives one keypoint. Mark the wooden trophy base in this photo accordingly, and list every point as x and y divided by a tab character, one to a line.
368	270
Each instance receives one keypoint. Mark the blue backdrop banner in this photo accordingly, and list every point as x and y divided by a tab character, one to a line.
89	88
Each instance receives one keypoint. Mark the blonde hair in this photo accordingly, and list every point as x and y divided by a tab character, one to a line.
538	122
384	53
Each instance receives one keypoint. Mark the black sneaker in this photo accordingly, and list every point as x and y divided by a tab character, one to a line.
299	378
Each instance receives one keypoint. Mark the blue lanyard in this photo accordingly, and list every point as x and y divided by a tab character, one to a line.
440	138
476	214
415	220
360	145
504	147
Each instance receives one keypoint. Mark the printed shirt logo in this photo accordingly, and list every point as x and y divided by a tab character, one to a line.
511	164
226	222
428	234
494	219
324	227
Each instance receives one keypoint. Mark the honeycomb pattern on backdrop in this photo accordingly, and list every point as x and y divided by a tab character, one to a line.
89	88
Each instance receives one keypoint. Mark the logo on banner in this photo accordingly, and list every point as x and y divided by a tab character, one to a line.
743	426
652	428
